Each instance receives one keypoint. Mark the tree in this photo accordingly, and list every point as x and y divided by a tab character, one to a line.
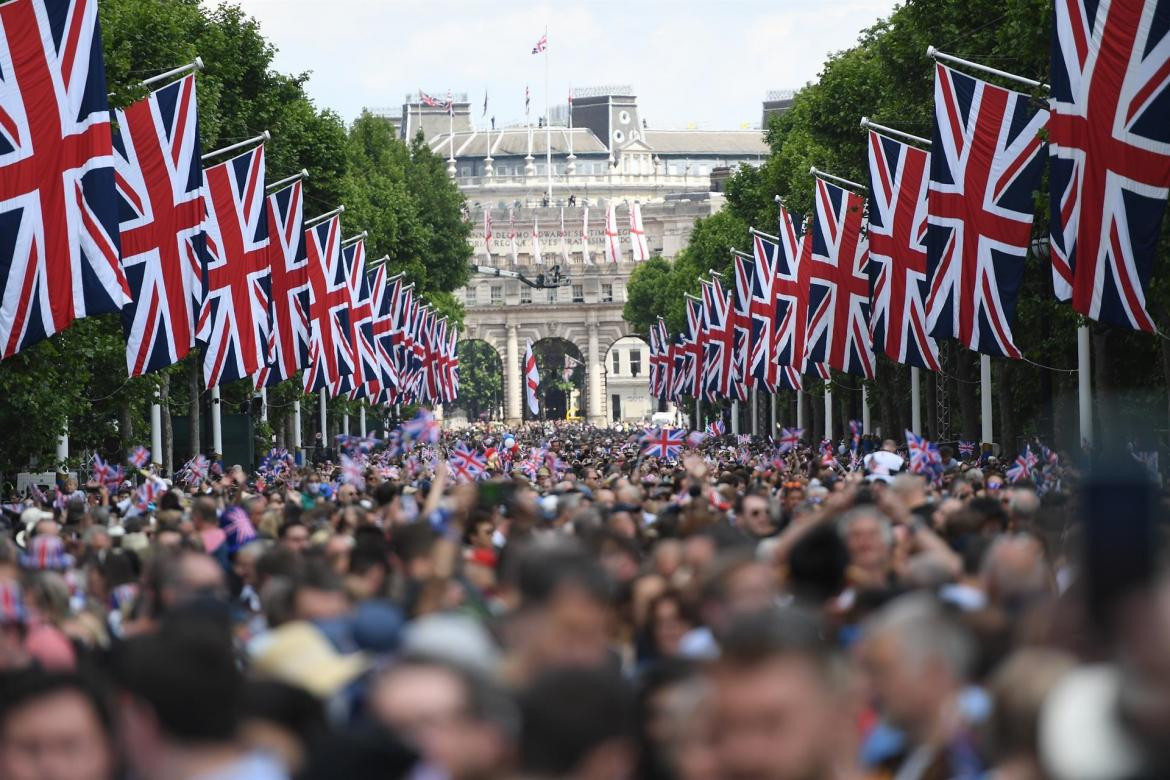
481	379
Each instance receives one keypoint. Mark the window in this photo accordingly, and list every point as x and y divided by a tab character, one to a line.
552	295
469	295
617	362
497	294
606	292
525	294
635	362
578	293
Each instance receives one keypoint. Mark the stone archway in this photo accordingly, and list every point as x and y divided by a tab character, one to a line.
562	378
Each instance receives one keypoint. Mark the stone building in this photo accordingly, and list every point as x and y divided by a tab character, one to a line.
531	180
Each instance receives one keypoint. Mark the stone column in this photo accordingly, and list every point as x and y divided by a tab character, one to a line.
596	416
512	378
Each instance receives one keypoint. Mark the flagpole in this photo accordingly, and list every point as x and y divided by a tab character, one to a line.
547	122
735	416
987	431
324	434
265	136
1084	388
755	411
216	424
772	429
829	409
864	409
156	427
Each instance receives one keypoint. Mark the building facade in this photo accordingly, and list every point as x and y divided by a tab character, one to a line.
543	191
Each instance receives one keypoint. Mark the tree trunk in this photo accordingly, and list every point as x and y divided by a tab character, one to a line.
193	426
1007	416
168	432
968	380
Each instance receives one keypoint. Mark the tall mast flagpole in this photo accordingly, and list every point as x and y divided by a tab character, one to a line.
547	123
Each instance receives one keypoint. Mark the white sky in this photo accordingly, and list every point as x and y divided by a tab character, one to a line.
701	62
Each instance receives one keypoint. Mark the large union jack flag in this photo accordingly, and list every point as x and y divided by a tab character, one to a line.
58	213
383	300
985	163
664	443
365	378
741	324
161	211
838	320
288	339
235	319
897	251
331	354
719	336
1110	150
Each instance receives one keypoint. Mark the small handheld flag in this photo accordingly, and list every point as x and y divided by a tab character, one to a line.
541	44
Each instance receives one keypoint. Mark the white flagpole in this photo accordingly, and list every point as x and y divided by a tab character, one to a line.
324	432
156	453
547	123
755	411
1084	386
735	417
63	446
216	424
864	409
362	421
828	411
296	442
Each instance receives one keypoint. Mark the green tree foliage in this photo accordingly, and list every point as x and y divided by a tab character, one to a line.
399	192
888	78
481	378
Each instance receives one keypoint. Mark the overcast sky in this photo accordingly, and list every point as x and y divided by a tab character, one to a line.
696	63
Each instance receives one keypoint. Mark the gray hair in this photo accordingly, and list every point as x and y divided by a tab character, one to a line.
925	631
846	521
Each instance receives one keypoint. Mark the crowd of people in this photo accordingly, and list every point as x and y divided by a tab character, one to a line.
584	610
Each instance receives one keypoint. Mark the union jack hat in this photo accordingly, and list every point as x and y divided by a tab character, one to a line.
46	553
11	603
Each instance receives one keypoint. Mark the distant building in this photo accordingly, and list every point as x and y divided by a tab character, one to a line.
607	156
776	102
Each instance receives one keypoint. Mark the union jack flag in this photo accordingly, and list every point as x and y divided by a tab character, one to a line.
664	443
897	251
195	470
541	44
1110	151
467	464
716	428
692	346
1023	467
838	321
100	471
718	330
383	299
924	455
658	357
331	355
695	439
234	319
790	289
161	212
767	309
288	339
743	439
789	439
148	491
422	429
966	449
237	527
139	457
366	377
985	163
741	324
353	469
854	434
59	226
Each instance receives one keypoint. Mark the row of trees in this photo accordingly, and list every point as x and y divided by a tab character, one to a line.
888	78
397	191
